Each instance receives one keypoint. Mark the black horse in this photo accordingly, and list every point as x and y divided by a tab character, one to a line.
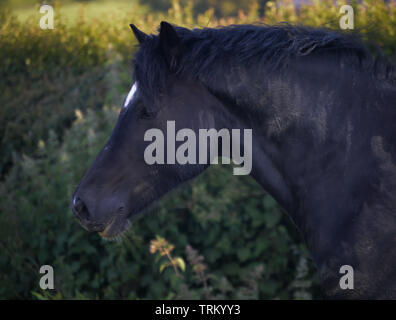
322	112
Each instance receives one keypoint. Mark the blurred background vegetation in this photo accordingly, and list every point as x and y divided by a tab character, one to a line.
220	236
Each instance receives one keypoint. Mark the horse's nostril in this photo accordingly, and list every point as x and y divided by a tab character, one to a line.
80	209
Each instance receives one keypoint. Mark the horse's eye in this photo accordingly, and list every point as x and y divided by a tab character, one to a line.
145	114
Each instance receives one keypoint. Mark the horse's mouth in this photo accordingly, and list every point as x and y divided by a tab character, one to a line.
120	222
117	226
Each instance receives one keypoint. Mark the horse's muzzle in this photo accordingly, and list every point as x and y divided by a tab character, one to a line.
82	213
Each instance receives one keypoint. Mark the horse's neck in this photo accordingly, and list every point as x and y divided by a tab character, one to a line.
335	173
326	156
314	136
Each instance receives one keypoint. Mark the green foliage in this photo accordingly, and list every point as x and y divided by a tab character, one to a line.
221	8
164	250
229	238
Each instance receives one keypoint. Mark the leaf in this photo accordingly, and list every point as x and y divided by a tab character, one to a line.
180	262
163	266
243	254
38	296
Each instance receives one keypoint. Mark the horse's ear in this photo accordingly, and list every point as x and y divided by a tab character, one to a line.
140	36
169	43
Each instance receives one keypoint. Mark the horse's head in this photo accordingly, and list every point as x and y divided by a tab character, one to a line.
137	165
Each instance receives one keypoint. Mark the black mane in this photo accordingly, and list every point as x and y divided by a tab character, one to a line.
210	52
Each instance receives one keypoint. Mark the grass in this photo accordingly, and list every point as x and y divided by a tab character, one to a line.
93	11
